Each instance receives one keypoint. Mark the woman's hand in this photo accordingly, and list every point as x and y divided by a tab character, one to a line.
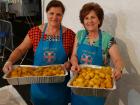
7	67
117	74
75	68
67	65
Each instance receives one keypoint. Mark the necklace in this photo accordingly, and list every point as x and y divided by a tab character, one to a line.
92	39
52	30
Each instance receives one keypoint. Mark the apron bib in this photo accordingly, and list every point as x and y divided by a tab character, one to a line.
50	52
87	54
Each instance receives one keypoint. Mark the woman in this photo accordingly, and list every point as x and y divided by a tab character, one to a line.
52	44
93	46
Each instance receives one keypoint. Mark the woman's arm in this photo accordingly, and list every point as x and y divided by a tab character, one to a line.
18	53
117	61
74	60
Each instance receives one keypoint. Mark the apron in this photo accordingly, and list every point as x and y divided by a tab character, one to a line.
50	52
87	54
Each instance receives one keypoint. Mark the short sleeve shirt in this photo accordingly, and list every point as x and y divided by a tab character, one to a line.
107	42
68	39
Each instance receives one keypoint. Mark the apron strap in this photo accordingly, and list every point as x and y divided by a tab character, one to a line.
61	32
100	39
43	33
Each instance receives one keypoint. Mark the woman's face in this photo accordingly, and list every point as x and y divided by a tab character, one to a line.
91	21
54	16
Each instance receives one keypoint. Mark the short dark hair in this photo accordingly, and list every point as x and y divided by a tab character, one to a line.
55	3
89	7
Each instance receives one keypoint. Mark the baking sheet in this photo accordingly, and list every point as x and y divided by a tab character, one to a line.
89	91
35	79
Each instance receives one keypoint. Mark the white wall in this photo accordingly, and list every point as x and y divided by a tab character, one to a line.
122	20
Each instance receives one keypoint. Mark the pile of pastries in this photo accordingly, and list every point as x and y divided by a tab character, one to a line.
22	71
94	77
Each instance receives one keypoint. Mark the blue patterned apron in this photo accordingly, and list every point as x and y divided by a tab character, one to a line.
50	52
89	55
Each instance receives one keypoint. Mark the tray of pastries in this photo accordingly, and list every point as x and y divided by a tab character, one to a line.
28	74
92	80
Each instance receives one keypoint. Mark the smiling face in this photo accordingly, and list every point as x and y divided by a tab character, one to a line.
91	22
55	16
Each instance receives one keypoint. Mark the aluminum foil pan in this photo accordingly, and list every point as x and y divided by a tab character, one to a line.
34	79
89	91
